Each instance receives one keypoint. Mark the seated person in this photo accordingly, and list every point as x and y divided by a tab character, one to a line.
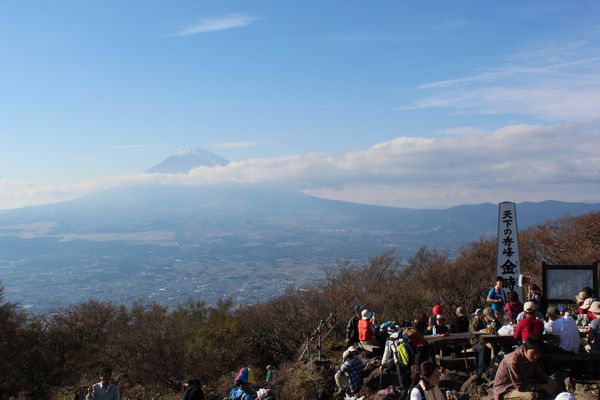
520	376
427	388
243	382
349	377
366	329
530	325
537	314
480	322
440	325
566	329
435	310
461	323
594	332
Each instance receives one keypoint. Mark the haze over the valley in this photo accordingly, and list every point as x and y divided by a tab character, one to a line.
234	148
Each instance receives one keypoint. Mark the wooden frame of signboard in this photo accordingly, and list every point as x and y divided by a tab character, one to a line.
561	283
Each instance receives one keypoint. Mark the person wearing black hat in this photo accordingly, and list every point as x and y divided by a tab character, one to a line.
352	328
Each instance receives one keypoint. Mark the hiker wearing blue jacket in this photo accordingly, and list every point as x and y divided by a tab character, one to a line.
497	297
242	389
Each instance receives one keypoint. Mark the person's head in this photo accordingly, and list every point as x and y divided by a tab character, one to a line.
535	288
552	313
580	298
589	291
421	318
429	373
513	297
587	303
269	367
532	348
440	319
357	309
192	382
437	310
529	307
595	308
477	314
245	376
460	311
366	314
499	282
105	374
488	315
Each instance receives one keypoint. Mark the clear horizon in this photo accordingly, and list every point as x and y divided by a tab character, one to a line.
398	104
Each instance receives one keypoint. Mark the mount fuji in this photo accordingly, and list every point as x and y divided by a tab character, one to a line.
185	160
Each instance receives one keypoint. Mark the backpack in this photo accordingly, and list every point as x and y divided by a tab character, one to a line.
406	356
415	337
398	393
417	386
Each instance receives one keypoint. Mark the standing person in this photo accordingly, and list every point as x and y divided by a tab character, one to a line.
530	325
497	297
427	388
535	293
513	307
349	377
390	361
520	376
193	390
352	327
270	376
103	390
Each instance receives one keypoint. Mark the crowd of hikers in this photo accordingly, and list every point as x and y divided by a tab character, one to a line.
400	352
522	372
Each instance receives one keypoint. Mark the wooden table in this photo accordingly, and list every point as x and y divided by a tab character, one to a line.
441	342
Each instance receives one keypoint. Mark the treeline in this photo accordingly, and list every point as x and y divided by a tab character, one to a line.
151	347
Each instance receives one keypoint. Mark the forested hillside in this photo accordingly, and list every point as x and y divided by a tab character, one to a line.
152	349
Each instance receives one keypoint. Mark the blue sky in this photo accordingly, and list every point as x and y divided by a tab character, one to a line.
390	102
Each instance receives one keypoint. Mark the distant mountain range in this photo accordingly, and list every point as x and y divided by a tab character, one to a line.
249	242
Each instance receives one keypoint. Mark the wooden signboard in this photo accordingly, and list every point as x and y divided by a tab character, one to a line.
561	283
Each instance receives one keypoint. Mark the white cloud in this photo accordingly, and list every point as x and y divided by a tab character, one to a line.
235	145
559	82
516	162
449	24
225	22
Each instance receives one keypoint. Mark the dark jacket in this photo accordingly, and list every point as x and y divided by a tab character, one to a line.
352	329
193	391
460	325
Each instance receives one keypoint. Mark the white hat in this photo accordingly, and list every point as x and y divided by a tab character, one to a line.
565	396
587	303
595	307
529	307
478	311
366	314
